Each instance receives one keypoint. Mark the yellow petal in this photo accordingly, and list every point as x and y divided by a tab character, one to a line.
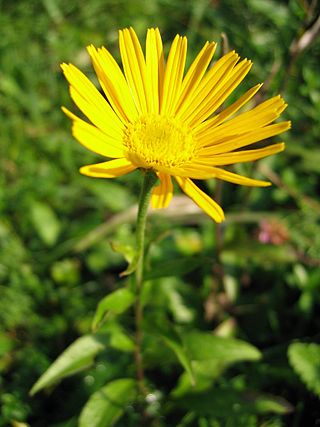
154	69
113	83
230	143
220	93
239	179
208	172
94	139
90	101
241	156
110	169
162	193
209	206
228	112
213	80
202	171
258	117
196	72
161	64
134	66
173	74
98	118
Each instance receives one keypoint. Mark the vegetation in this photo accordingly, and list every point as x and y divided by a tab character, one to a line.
231	324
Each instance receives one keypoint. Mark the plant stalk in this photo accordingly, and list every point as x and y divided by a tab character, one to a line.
148	183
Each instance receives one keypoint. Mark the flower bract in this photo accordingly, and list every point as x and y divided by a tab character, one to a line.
155	115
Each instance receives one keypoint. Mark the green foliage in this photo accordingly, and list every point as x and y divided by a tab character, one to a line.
45	222
305	360
106	405
203	346
209	357
181	354
76	357
228	403
175	267
117	302
221	305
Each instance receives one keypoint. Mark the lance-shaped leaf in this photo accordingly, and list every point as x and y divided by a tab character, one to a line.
78	356
117	302
205	346
209	356
108	404
181	354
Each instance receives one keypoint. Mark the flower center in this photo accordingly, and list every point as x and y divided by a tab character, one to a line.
158	142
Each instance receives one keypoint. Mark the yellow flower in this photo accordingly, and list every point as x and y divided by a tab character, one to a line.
154	116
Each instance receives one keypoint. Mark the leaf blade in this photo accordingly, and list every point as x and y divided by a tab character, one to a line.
181	355
204	346
305	360
78	356
107	405
117	302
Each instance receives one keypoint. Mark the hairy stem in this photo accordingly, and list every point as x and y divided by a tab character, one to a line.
148	183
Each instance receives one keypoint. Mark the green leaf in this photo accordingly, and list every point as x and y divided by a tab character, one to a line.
119	338
228	402
175	267
204	346
131	268
126	250
121	341
168	292
210	355
108	404
117	302
78	356
305	360
264	403
181	354
180	311
204	372
45	222
130	255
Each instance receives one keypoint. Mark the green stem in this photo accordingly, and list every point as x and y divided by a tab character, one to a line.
148	183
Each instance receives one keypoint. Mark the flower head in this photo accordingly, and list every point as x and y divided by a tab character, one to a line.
158	117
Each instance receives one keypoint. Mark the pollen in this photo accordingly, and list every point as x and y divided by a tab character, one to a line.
158	142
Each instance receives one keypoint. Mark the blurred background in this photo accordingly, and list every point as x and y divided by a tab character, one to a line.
260	277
